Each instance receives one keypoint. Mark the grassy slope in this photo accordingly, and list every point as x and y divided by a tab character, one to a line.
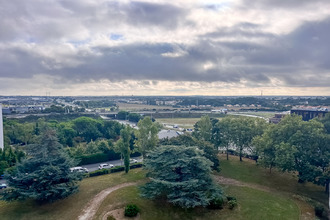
69	208
252	204
247	171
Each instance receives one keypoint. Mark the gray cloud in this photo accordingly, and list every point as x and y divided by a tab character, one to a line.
53	40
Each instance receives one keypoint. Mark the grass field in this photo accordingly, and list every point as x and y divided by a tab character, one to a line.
71	207
252	204
139	107
248	172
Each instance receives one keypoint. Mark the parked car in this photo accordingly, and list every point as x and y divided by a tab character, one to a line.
133	161
3	186
79	169
105	166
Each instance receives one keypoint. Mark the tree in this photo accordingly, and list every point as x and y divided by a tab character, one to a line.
45	175
146	135
222	135
180	175
203	129
243	130
123	146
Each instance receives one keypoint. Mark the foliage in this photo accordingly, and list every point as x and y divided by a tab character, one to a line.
123	145
181	175
238	132
203	129
216	203
232	204
146	135
131	210
297	145
45	175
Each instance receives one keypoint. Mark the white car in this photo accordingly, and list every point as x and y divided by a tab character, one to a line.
133	161
3	186
79	169
105	166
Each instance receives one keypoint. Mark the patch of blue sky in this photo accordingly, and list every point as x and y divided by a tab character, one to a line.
215	5
78	43
116	36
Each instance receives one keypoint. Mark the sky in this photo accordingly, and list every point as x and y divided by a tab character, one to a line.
161	47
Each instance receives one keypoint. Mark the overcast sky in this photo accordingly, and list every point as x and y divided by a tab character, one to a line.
158	47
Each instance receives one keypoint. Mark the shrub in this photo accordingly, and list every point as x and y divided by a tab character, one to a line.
117	169
216	203
319	209
98	172
229	198
232	204
131	210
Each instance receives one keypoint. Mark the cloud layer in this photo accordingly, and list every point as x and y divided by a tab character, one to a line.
158	47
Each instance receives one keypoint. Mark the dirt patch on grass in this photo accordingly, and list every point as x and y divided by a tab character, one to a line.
91	208
118	214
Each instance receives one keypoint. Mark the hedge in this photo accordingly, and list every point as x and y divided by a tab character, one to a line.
113	170
101	157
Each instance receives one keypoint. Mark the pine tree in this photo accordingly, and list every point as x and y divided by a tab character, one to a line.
44	175
181	175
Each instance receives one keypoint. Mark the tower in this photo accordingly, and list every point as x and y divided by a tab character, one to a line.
1	129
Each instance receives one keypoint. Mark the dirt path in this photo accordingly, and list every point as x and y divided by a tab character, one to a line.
91	208
306	211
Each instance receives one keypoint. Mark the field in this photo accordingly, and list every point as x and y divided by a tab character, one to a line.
139	107
260	195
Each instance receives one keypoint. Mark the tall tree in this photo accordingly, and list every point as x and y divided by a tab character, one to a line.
45	175
203	129
222	135
123	146
146	135
180	175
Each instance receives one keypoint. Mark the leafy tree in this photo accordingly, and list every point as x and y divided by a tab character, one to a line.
243	130
222	135
87	128
45	175
203	129
146	135
180	175
123	146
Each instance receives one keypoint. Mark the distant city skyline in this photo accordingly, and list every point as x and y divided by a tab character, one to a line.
158	47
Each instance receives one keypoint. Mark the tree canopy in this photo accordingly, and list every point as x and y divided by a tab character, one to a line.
44	175
180	175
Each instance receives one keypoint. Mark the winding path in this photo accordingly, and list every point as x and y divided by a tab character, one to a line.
93	205
91	208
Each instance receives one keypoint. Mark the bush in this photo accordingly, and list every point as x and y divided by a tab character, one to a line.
98	172
216	203
229	198
131	210
232	204
319	209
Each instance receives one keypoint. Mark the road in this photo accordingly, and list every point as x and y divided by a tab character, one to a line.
95	166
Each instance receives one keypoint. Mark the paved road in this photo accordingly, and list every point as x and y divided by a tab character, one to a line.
95	166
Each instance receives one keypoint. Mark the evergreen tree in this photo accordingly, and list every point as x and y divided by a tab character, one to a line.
123	146
180	175
44	175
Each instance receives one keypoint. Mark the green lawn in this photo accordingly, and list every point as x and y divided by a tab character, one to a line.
247	171
277	203
71	207
252	204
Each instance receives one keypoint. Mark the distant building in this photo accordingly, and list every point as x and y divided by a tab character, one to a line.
277	118
168	134
308	114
